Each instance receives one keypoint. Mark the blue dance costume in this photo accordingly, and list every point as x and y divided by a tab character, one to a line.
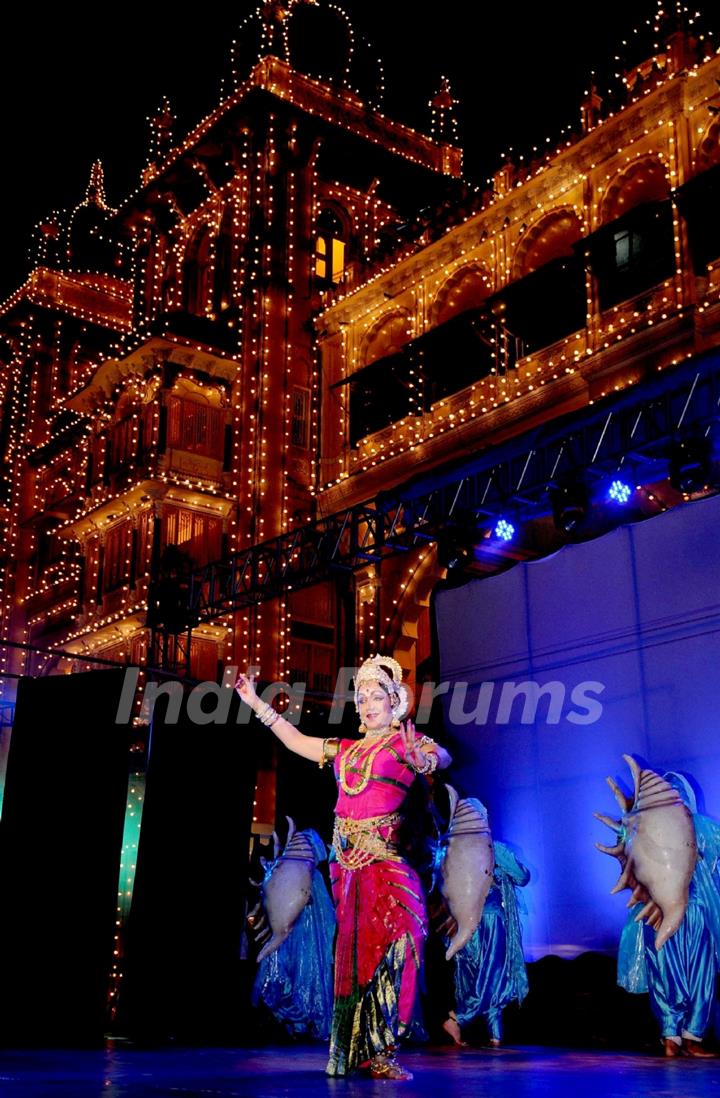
490	969
296	981
680	978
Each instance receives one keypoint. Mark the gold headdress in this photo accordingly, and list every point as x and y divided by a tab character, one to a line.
388	672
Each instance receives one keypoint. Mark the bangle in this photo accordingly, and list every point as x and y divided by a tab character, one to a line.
428	766
268	716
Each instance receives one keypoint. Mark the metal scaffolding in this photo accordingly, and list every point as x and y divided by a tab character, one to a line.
629	433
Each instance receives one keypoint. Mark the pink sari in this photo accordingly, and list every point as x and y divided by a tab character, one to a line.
381	916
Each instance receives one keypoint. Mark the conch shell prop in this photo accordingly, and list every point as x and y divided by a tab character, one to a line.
286	887
466	866
656	848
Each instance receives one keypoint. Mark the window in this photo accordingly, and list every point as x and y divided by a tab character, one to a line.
143	551
330	249
223	276
196	273
123	443
380	395
628	248
118	556
50	550
197	428
96	460
92	569
313	664
300	424
203	660
198	534
329	259
698	201
633	253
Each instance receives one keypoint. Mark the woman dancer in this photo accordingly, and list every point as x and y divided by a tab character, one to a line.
380	907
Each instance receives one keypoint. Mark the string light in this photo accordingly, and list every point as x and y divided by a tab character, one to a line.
103	484
473	246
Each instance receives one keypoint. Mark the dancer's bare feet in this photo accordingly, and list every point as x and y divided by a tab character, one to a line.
452	1028
694	1048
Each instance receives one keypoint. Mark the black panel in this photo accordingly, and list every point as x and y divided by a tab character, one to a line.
183	973
60	844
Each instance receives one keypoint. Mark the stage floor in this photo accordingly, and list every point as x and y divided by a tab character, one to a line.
297	1072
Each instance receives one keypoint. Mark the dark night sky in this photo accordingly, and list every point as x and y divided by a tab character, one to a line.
74	88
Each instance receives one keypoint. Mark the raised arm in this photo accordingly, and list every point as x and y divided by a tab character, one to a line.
310	747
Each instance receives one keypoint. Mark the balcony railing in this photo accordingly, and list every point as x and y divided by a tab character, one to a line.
484	396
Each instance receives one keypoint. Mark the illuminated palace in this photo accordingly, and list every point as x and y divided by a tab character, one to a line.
301	307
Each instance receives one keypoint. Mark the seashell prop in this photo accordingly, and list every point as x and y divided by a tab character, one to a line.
466	867
286	888
656	848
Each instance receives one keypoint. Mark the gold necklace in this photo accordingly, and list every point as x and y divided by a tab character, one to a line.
361	758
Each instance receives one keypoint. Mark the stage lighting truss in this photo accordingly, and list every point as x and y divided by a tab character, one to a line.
634	429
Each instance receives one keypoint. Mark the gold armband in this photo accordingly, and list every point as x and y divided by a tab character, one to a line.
330	749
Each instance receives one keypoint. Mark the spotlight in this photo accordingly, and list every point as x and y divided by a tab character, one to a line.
453	556
570	505
689	466
455	549
619	491
504	530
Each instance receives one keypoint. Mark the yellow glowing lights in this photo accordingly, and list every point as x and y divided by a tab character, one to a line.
80	524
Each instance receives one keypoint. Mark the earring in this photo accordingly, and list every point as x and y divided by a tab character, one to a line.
396	724
362	729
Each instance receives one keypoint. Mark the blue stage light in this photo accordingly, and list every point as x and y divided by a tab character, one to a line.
619	491
504	530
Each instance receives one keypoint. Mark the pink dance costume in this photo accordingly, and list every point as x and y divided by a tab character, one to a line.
380	908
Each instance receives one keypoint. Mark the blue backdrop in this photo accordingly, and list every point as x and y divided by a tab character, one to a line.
624	632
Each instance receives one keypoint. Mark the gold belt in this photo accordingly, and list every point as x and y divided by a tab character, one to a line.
357	843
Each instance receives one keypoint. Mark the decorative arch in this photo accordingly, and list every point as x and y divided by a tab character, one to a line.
329	209
465	289
411	621
551	237
644	181
386	337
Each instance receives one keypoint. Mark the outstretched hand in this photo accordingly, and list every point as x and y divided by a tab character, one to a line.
410	745
245	686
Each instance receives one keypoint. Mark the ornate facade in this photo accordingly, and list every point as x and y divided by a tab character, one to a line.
266	331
